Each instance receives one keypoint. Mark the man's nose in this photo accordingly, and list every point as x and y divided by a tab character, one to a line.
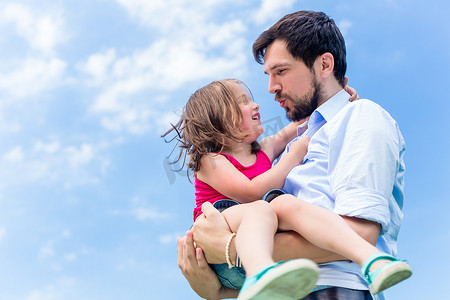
274	86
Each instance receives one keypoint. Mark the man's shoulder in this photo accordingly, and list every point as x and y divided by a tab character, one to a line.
364	110
363	104
360	116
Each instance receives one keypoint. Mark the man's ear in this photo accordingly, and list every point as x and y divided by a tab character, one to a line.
326	64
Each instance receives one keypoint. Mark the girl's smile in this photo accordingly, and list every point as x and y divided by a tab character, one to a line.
251	119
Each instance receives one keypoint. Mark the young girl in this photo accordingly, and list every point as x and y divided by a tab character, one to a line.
218	129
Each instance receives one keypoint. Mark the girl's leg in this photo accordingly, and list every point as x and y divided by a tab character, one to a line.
255	224
329	231
322	228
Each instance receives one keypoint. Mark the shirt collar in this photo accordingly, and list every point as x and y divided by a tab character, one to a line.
326	111
333	105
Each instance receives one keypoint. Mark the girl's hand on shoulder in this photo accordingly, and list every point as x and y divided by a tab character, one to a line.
351	91
300	147
302	126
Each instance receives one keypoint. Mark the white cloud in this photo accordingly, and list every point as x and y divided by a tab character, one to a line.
46	251
271	9
143	214
14	155
344	26
61	289
133	265
32	76
6	125
169	238
50	162
30	35
141	211
98	66
164	121
81	156
70	257
198	47
167	15
42	30
66	233
50	147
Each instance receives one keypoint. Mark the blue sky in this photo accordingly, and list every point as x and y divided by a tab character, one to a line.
88	207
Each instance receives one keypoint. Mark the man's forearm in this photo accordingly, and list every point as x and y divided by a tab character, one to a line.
291	245
213	233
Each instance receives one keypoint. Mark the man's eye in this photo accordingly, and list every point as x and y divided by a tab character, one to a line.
281	71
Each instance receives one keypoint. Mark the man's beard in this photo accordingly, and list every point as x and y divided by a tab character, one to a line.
303	106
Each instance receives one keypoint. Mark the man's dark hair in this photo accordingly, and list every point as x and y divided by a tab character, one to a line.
307	34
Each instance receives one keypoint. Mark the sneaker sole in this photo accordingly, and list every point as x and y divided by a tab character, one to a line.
293	279
389	277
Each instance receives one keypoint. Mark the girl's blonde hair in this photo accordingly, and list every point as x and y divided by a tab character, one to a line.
210	119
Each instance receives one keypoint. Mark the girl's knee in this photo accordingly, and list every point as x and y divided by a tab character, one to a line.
262	207
284	203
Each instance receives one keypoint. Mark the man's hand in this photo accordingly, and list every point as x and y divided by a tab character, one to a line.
211	232
195	268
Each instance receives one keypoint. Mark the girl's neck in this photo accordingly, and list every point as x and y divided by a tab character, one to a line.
239	149
242	153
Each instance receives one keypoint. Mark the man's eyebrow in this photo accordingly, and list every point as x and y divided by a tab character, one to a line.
285	64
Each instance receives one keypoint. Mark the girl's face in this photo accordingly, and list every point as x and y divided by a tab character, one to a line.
251	123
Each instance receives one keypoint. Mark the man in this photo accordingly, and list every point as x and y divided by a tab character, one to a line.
354	164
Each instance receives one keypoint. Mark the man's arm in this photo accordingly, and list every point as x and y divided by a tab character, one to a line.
211	233
291	245
199	274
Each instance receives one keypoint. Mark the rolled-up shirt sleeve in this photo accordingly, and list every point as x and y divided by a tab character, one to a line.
364	158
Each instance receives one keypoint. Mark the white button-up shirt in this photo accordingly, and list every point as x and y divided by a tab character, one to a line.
354	167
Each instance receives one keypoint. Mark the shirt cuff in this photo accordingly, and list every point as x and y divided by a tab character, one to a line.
365	204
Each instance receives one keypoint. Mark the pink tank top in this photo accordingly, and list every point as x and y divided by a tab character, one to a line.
204	192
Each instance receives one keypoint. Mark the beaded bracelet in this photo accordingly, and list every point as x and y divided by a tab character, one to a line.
227	250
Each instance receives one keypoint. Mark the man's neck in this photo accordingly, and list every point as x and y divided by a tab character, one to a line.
329	88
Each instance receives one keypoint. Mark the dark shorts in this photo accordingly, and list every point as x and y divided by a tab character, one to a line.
234	277
339	293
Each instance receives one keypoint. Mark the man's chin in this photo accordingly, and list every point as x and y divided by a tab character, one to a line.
291	117
289	114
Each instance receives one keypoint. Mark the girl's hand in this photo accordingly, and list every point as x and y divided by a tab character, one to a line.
300	148
211	232
351	91
304	125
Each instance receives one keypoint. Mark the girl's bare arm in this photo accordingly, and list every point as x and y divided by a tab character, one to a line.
275	144
220	174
